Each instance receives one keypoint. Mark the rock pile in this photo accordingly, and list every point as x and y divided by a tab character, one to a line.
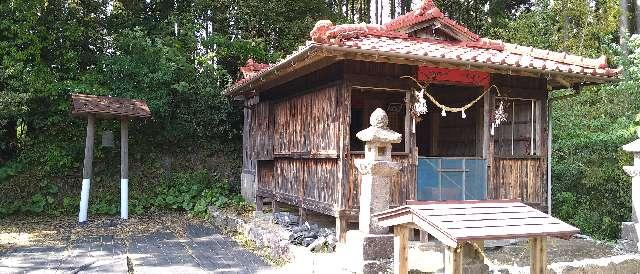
312	236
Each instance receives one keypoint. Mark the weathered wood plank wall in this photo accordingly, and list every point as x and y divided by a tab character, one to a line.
262	130
521	177
307	125
265	179
299	140
310	183
403	185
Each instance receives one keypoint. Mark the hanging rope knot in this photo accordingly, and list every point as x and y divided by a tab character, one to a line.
420	107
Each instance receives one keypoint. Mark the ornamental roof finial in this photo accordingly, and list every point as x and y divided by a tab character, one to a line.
428	4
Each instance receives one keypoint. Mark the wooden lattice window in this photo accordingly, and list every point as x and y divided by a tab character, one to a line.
520	134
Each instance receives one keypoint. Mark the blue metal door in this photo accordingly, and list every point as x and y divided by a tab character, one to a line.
452	179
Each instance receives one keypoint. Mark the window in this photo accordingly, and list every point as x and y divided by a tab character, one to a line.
520	134
364	102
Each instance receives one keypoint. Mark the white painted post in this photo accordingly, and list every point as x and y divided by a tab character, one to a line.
376	168
87	168
124	169
634	172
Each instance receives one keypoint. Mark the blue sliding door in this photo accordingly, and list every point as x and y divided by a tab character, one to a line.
451	179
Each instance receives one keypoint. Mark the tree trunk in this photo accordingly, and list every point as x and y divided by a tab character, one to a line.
392	8
377	12
624	24
10	135
637	16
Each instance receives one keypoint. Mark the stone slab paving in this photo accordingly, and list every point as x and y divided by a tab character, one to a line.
203	250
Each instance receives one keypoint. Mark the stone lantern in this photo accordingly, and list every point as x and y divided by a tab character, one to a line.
370	248
376	169
631	230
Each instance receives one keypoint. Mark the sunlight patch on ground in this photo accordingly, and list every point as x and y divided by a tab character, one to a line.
15	239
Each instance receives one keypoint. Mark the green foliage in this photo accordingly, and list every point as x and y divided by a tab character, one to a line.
566	25
178	57
590	188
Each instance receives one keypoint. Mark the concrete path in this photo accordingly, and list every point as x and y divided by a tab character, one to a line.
203	250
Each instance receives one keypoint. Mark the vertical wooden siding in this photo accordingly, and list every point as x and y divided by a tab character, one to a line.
311	183
520	178
402	185
248	142
265	178
262	131
307	124
301	136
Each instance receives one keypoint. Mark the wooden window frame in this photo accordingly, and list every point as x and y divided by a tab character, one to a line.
535	132
407	123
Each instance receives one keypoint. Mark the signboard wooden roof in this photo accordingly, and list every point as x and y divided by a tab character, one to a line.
455	222
84	104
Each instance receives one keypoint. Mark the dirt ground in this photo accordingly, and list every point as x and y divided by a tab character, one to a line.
17	231
559	250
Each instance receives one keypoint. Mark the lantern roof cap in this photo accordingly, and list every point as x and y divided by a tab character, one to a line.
633	146
379	130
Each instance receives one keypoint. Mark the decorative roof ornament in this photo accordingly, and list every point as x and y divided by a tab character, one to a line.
428	4
428	11
325	32
252	68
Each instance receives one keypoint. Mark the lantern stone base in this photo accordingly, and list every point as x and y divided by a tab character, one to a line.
628	232
367	253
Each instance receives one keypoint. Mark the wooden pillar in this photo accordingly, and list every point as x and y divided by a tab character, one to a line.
302	213
342	225
124	168
538	251
453	260
400	249
87	168
259	203
424	236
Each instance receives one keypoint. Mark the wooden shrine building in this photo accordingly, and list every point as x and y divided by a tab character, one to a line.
484	134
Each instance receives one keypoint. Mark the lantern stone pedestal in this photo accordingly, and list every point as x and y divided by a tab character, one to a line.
370	247
631	230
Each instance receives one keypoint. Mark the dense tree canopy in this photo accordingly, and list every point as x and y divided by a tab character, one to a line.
180	55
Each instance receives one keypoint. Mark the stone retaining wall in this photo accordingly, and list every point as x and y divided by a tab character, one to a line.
259	230
622	264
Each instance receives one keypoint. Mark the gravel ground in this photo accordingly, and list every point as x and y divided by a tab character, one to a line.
558	251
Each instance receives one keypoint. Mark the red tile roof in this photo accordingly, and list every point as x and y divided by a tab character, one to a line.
385	39
426	12
84	104
251	68
485	53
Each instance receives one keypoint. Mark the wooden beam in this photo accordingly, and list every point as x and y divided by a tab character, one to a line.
424	236
538	251
303	214
259	203
124	169
275	206
341	228
453	260
400	249
87	168
312	64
